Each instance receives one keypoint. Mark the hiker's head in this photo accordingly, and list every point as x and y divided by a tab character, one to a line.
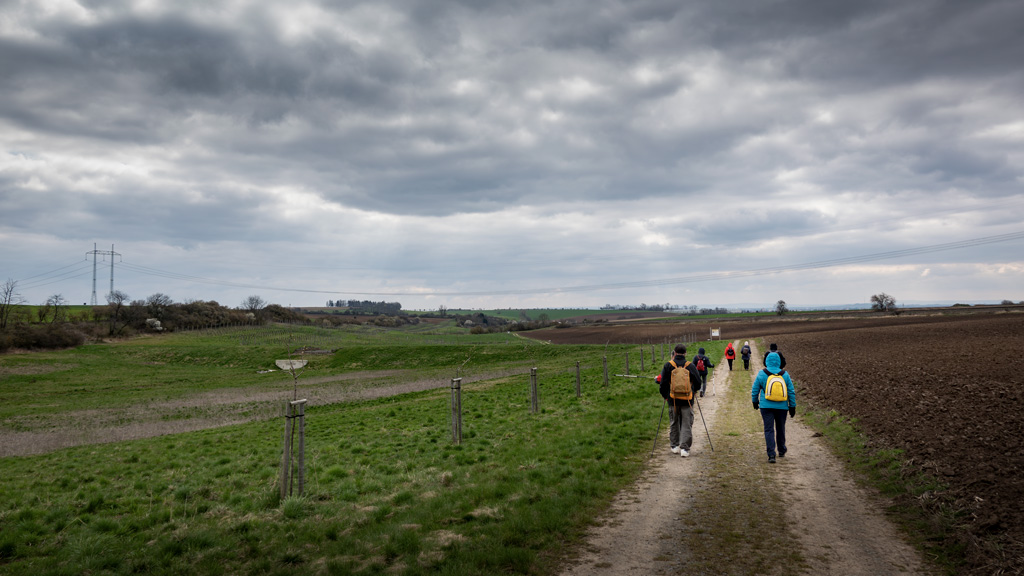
700	350
773	347
773	362
680	348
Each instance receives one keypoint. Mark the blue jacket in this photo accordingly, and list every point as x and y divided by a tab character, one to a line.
757	390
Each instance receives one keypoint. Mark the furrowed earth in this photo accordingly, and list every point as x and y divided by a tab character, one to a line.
946	390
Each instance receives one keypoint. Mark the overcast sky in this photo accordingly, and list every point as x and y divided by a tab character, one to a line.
513	154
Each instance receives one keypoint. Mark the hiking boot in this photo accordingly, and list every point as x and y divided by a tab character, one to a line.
683	452
771	459
782	453
675	449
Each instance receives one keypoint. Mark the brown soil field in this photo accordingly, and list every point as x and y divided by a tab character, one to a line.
948	391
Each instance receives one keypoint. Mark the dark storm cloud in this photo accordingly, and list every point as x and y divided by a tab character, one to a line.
543	132
862	44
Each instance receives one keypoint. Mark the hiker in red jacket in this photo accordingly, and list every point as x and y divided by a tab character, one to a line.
730	355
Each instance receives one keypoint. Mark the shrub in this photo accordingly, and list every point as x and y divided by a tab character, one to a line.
47	336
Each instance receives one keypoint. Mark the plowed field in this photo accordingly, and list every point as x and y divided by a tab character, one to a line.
948	391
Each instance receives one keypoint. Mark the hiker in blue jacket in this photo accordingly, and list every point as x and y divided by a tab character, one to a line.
702	361
773	412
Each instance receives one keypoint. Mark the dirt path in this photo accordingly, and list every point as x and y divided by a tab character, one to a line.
839	528
634	538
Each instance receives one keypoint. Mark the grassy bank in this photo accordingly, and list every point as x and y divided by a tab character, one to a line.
387	491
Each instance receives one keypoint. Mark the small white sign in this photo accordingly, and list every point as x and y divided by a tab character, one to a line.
290	364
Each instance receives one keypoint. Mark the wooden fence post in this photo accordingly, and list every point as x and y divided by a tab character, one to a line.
534	402
457	410
577	378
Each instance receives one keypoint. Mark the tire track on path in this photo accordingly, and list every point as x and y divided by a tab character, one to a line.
839	524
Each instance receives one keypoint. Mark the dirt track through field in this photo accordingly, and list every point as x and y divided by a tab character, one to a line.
637	536
224	407
839	527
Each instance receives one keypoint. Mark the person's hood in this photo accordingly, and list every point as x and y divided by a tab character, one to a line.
729	345
773	363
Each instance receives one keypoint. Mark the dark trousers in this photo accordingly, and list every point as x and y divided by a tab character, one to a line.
746	363
774	430
729	360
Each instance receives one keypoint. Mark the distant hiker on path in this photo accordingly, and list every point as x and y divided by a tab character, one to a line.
773	347
702	363
730	355
679	380
745	353
773	393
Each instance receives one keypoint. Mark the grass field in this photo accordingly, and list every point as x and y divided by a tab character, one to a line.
387	490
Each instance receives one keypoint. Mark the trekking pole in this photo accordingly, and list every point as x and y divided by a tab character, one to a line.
705	426
658	429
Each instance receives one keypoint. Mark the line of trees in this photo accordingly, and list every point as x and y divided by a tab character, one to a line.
367	306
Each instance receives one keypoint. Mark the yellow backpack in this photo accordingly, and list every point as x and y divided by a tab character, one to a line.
775	389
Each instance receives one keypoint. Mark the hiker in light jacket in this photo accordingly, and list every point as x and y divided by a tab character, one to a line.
703	373
680	435
773	413
745	354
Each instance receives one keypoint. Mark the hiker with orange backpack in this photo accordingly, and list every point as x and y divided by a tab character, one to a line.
773	393
679	383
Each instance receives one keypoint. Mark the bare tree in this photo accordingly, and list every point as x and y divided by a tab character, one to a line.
157	303
254	304
780	307
56	307
883	302
9	298
116	301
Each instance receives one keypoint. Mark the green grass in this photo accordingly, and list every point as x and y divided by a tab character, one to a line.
386	488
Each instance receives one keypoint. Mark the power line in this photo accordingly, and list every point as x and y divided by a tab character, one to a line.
727	275
52	277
